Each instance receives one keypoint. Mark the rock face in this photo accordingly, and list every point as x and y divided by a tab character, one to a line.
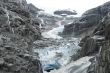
89	46
96	22
88	21
18	30
83	24
98	46
102	64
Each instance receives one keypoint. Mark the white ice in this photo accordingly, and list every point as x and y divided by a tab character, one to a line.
79	66
54	32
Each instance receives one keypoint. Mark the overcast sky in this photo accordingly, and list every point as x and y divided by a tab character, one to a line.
79	5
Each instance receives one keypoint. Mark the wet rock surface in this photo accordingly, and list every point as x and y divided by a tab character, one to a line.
97	44
102	59
18	30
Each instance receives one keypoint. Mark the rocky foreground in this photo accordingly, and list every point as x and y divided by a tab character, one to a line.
95	26
18	29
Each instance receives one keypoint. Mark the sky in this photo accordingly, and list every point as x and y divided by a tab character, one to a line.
79	5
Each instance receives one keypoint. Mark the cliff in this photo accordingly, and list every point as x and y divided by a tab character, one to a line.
94	25
18	30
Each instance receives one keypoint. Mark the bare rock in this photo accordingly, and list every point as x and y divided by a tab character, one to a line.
1	61
18	30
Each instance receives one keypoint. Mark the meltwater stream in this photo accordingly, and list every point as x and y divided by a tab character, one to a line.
54	32
57	57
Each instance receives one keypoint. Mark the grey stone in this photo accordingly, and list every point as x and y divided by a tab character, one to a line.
1	61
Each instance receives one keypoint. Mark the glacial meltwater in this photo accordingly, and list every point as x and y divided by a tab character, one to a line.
57	58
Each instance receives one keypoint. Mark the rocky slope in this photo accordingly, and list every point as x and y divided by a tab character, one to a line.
18	30
95	27
88	21
102	64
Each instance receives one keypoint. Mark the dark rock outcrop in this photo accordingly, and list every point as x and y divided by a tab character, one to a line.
98	42
89	46
83	25
103	60
102	63
18	30
88	21
95	23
